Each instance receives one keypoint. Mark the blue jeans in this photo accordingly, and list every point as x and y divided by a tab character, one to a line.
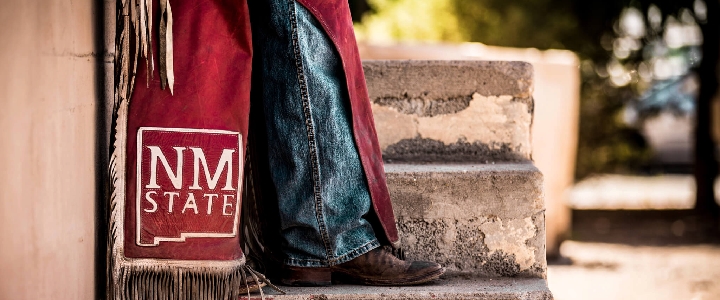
313	161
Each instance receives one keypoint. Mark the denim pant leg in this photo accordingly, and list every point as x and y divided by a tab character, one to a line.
314	162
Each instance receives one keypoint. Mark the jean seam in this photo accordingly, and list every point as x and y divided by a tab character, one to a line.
354	253
304	95
350	255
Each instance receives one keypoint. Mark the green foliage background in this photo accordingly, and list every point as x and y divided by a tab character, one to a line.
606	144
495	22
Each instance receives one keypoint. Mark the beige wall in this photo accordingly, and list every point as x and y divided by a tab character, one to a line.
555	135
47	149
556	117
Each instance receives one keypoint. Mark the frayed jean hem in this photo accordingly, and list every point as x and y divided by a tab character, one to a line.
350	255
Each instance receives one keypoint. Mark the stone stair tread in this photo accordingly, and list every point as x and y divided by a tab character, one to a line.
486	219
503	189
446	288
462	111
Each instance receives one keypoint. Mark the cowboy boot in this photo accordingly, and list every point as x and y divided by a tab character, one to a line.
377	267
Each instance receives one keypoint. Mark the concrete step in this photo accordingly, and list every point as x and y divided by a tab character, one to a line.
479	219
459	111
448	288
456	139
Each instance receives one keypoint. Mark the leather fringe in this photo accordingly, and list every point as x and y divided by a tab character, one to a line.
135	22
251	230
167	75
156	281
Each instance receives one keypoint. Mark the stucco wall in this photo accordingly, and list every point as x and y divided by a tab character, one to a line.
48	137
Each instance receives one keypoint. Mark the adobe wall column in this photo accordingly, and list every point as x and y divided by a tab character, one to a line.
48	124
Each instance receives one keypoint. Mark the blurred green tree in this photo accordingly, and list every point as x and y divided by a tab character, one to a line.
590	28
410	20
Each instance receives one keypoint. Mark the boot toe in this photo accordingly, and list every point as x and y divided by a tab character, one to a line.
424	271
420	266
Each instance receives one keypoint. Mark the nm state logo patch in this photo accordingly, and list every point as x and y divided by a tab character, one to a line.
188	184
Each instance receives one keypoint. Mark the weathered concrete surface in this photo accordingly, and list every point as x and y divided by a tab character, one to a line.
449	288
483	219
556	97
451	110
447	80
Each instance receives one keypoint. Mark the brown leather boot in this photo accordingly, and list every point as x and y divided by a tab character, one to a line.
377	267
298	276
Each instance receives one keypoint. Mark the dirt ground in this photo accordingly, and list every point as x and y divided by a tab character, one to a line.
637	255
615	271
